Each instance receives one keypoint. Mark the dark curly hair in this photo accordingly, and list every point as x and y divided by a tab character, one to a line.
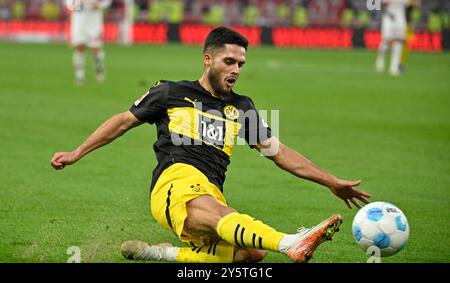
220	36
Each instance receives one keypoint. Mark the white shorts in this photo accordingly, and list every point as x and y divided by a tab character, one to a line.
393	26
87	29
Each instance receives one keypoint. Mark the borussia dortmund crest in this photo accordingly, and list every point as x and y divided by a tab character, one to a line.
231	112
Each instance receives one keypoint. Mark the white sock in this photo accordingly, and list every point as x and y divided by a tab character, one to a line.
99	61
382	49
286	242
78	64
170	253
396	57
381	56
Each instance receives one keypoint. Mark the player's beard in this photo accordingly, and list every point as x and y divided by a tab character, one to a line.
214	80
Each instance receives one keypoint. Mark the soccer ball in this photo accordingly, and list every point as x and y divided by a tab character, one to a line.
382	225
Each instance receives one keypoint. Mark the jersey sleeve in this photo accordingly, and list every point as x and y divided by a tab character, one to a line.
152	105
255	128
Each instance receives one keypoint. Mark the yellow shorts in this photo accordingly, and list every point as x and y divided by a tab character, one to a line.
177	185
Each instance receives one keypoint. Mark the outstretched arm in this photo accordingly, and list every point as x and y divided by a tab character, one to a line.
293	162
111	129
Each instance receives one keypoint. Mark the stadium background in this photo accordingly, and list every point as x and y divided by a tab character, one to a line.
341	24
311	60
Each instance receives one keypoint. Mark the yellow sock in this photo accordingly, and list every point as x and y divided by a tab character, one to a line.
246	232
218	252
405	50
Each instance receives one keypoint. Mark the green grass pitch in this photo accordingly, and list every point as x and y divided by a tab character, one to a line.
393	133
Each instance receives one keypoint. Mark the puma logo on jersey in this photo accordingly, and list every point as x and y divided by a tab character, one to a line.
188	99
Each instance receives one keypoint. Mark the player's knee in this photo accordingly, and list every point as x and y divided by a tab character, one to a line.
219	213
249	255
205	220
224	211
205	212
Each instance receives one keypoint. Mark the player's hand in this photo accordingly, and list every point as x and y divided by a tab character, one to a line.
344	190
61	159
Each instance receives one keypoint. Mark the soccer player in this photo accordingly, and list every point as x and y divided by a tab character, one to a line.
198	122
409	32
393	32
86	30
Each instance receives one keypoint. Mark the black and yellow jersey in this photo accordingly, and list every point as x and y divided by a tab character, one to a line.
196	128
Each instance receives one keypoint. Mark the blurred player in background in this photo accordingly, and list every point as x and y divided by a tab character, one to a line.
87	31
393	32
126	23
409	32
